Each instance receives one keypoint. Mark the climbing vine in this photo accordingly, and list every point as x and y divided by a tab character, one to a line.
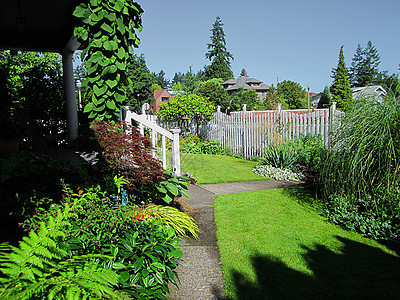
107	30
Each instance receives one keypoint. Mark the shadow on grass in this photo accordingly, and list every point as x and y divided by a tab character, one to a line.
358	272
305	197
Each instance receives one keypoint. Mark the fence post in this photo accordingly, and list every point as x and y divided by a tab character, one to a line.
244	130
176	160
332	110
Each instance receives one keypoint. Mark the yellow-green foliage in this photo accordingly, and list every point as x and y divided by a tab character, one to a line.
182	223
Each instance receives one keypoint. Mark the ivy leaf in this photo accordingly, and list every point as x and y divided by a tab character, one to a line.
121	53
112	17
119	98
113	69
111	104
120	25
96	57
99	91
80	11
101	108
119	5
88	107
107	28
120	65
110	45
111	83
96	17
94	3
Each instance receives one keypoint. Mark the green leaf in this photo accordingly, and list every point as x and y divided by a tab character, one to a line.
112	17
96	57
111	104
120	65
80	11
119	5
110	45
111	83
88	108
121	26
99	91
119	97
167	198
159	265
138	264
107	28
95	17
121	53
100	108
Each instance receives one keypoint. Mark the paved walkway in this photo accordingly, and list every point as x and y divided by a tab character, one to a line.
200	272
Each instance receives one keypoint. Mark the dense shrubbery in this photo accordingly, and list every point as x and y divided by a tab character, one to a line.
294	160
196	144
360	174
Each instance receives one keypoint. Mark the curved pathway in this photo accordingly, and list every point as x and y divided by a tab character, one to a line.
200	272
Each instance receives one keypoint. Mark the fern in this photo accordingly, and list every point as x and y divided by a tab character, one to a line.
40	267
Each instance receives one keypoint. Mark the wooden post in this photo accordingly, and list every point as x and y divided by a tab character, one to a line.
332	110
176	160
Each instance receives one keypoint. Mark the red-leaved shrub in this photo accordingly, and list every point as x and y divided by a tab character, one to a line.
129	153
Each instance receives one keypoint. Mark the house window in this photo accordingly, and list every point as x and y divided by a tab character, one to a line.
164	99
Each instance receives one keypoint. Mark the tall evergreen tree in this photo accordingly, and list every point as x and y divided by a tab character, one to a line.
141	90
218	54
364	66
161	80
340	88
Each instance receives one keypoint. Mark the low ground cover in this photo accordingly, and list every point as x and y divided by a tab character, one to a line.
274	244
207	168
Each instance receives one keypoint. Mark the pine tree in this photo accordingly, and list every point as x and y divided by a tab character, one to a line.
218	55
364	67
340	88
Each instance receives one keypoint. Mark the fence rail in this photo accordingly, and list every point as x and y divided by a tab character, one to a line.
149	121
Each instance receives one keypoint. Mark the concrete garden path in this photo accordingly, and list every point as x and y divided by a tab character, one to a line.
200	272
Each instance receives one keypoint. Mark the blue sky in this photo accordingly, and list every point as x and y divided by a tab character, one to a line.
287	39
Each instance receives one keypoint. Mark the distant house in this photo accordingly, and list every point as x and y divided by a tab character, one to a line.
161	96
232	86
376	92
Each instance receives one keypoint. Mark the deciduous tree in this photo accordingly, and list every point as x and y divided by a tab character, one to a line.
214	92
292	94
248	97
187	108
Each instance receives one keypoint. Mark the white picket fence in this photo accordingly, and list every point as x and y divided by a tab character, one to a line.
248	133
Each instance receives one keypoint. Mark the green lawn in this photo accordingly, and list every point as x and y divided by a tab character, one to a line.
218	168
274	245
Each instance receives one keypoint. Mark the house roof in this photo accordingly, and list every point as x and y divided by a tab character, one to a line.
369	91
245	83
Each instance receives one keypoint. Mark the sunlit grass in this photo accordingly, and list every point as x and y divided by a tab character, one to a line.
207	168
274	246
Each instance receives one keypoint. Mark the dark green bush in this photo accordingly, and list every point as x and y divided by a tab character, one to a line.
211	147
360	217
309	149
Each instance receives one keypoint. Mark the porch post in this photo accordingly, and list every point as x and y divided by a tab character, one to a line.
70	97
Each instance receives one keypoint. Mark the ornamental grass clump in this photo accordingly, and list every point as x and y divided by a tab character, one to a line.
280	156
363	161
